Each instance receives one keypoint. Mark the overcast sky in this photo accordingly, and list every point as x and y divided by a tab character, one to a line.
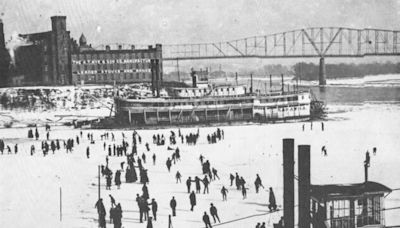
191	21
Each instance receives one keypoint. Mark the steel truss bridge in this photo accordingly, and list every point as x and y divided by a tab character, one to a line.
315	42
302	43
312	42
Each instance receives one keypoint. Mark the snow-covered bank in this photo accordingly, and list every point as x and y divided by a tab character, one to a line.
387	80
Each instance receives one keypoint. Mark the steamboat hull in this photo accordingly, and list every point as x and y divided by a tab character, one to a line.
205	110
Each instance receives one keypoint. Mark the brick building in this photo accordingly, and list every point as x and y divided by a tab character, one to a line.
54	58
45	59
119	65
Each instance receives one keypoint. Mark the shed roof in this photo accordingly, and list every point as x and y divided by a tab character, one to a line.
324	192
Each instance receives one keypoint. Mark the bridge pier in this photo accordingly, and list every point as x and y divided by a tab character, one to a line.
322	72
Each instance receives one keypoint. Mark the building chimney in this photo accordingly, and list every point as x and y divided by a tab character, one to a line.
133	47
2	41
107	47
304	185
288	182
120	47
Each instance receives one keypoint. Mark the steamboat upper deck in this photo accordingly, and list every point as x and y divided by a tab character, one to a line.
185	110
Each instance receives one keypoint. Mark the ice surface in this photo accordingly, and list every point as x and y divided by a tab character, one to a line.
30	185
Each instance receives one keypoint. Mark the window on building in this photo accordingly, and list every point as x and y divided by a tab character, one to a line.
368	211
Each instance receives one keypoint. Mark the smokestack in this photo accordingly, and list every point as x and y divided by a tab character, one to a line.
288	182
304	185
236	78
194	79
2	41
251	83
270	82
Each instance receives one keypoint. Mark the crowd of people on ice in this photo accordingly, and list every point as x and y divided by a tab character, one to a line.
135	165
135	171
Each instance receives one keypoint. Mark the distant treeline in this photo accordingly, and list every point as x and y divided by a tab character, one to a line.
306	71
310	71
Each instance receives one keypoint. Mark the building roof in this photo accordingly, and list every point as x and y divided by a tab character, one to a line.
324	192
37	36
82	40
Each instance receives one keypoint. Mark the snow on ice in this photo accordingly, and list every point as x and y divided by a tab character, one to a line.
30	185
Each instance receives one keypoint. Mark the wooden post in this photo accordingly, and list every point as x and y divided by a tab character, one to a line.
130	118
99	182
169	115
60	204
144	116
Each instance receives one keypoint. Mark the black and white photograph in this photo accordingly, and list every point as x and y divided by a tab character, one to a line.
200	113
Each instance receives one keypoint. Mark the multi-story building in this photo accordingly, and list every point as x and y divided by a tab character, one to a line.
108	66
53	58
45	58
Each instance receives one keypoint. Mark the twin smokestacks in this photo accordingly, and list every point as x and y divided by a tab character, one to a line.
303	184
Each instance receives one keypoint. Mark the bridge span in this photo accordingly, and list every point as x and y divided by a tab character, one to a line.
321	42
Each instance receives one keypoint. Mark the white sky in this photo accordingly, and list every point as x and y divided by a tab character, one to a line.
191	21
194	21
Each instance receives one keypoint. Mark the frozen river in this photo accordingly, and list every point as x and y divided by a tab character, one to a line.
359	119
30	184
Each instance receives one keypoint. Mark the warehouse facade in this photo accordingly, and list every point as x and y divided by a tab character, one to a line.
54	58
118	66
